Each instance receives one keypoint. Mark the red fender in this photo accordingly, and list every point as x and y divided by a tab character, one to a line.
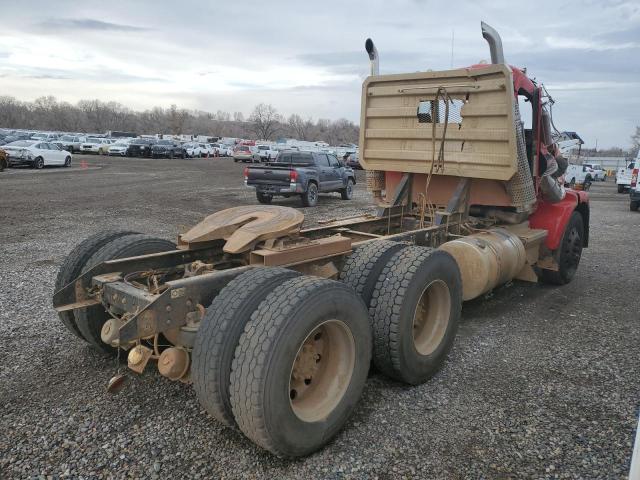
554	217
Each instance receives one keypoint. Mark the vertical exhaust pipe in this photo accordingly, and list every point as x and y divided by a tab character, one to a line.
495	42
374	60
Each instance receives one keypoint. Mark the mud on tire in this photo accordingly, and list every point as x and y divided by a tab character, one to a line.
362	269
415	309
220	332
300	366
74	263
90	320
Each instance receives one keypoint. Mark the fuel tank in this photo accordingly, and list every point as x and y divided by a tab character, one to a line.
486	260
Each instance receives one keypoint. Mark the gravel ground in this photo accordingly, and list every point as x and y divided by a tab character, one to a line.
542	382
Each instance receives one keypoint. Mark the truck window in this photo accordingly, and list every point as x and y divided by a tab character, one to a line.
333	161
321	159
301	158
284	158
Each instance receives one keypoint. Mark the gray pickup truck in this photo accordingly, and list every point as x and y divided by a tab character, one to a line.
300	173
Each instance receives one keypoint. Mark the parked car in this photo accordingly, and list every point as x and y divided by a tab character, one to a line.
168	149
119	148
194	149
243	153
598	172
634	191
301	173
93	145
140	147
351	160
208	150
264	153
70	143
36	154
623	176
44	136
578	175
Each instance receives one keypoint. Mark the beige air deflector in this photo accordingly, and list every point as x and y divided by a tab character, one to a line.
480	140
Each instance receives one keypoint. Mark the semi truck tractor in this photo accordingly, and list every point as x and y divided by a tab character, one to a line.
276	326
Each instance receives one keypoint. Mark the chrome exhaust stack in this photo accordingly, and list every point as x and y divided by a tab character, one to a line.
374	60
495	42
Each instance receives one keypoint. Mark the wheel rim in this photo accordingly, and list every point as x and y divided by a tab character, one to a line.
431	317
349	189
39	163
321	371
572	251
312	193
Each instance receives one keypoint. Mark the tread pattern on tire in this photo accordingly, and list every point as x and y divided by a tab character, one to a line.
216	335
386	303
122	247
250	362
73	265
362	268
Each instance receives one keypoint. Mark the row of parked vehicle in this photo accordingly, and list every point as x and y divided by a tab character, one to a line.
266	153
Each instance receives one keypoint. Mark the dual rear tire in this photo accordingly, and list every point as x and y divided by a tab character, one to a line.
87	323
280	361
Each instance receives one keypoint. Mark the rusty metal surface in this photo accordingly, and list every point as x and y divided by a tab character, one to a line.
70	296
243	227
313	250
172	307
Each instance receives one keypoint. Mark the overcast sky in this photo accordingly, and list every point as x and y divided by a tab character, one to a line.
309	58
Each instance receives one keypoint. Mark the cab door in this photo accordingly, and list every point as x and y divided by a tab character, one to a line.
325	172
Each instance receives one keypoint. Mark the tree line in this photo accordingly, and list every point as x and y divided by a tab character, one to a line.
96	116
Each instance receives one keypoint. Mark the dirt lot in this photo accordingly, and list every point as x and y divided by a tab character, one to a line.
542	381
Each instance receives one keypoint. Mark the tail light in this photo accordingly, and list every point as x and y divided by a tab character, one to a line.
293	176
246	173
634	178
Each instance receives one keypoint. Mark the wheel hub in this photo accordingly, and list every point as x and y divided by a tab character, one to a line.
321	371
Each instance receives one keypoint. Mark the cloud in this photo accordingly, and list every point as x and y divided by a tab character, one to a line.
87	24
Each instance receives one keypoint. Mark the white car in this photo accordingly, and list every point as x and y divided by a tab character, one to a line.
208	150
36	153
193	149
94	145
43	137
223	149
264	153
598	172
578	175
118	148
623	176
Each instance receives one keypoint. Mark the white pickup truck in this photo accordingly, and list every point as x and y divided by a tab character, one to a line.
264	153
598	172
623	175
579	175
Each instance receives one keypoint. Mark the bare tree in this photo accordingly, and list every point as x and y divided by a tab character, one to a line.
300	128
635	143
265	121
95	116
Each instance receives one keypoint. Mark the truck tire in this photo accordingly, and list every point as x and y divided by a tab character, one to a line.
300	366
362	268
264	197
220	332
415	310
310	197
620	188
568	254
74	263
91	319
633	206
347	192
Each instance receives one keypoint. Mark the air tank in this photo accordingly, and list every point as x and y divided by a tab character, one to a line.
486	259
